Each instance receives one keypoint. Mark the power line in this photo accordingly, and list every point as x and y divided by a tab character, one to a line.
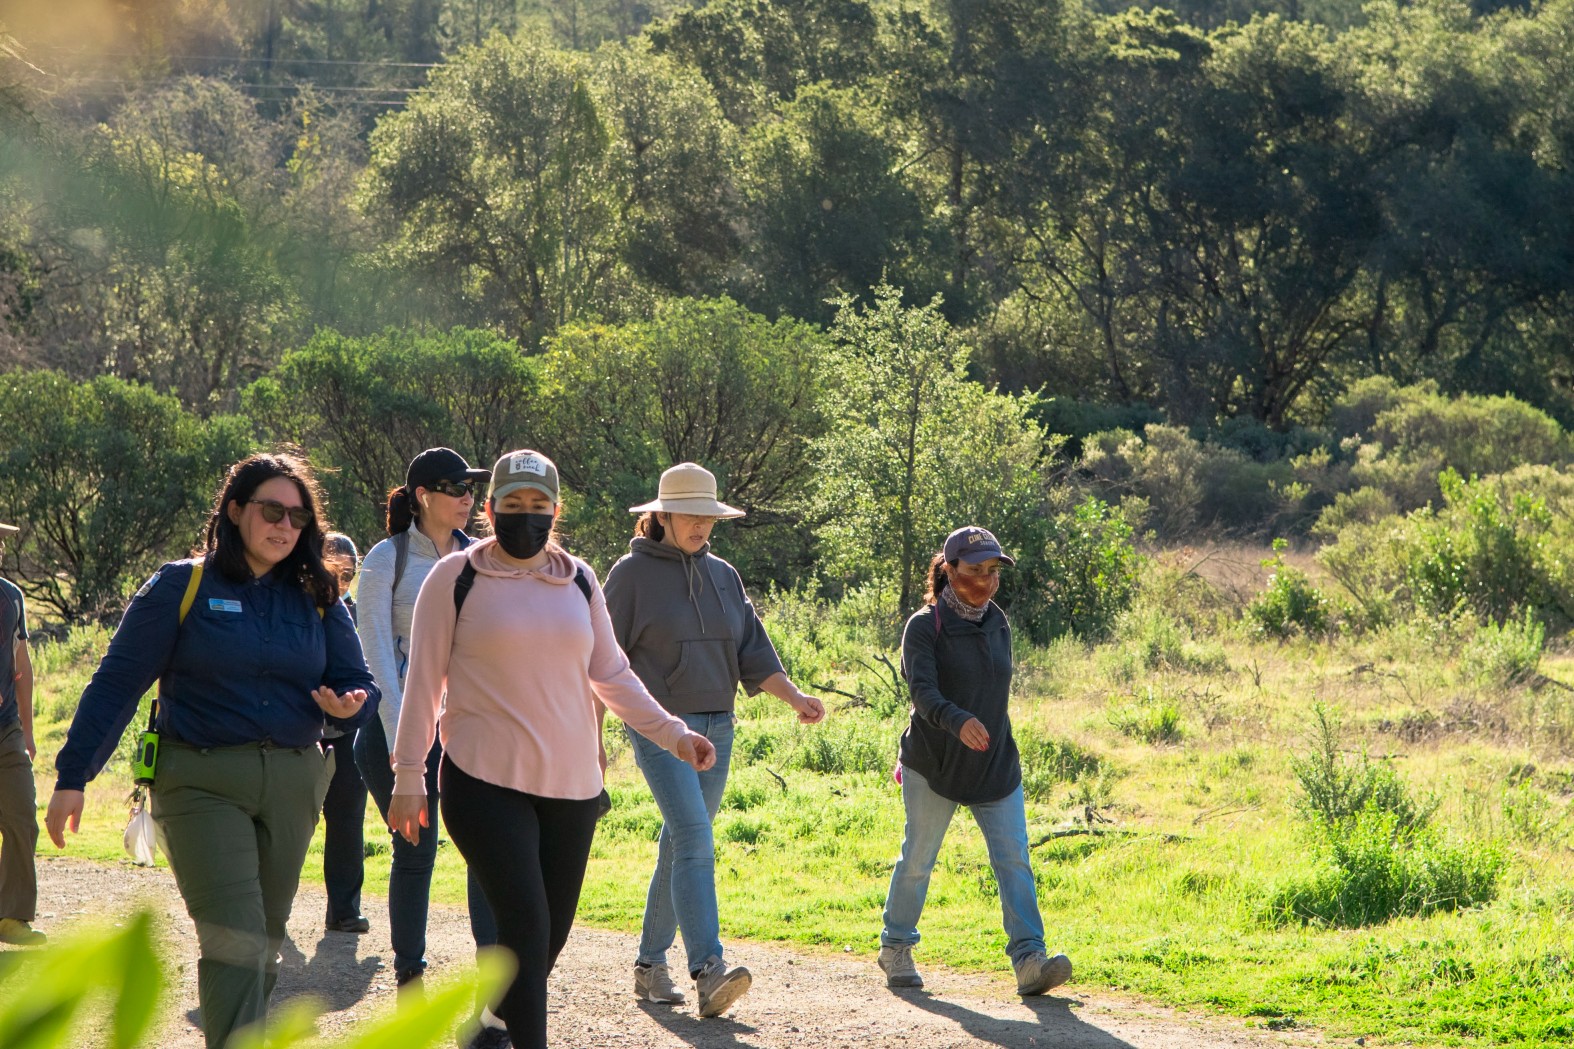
244	60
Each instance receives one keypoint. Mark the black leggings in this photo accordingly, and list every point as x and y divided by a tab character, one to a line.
529	854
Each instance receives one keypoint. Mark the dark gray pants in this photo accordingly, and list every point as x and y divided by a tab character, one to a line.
235	823
18	828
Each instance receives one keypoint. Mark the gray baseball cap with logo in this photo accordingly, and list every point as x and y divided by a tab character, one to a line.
524	469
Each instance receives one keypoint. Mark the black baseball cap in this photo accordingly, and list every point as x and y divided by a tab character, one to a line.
440	464
973	544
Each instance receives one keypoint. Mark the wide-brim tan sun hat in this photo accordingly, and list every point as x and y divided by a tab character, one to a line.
688	488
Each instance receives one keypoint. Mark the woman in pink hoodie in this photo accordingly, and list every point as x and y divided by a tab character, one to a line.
514	630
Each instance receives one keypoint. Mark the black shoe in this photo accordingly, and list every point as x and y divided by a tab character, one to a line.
356	924
489	1038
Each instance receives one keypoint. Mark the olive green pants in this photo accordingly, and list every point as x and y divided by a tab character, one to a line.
235	823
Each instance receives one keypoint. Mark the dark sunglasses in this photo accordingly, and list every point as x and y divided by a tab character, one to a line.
273	512
453	489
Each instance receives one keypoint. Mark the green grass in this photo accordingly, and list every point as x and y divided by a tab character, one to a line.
1182	736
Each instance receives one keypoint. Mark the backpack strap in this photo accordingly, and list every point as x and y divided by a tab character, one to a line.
191	591
187	599
462	584
401	542
466	579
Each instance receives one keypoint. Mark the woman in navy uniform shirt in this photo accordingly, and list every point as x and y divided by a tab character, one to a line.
265	657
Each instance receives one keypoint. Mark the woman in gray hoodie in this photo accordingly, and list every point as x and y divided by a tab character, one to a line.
692	636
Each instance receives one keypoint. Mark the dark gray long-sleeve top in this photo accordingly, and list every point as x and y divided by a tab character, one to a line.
958	672
690	630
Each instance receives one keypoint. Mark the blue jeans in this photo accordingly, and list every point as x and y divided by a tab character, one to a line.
1004	824
410	879
682	892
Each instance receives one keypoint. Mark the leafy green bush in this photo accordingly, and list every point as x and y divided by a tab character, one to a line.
1187	484
1290	603
1152	718
1374	869
1483	553
1491	550
1500	656
1380	858
1048	761
109	478
1085	576
1336	788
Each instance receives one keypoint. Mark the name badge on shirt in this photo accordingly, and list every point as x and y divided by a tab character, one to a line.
219	604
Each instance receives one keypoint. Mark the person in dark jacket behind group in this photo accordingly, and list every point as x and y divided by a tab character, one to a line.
958	750
691	634
263	657
344	808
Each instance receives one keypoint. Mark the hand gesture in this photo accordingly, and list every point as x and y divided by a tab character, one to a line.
65	810
407	815
336	705
810	710
974	734
695	749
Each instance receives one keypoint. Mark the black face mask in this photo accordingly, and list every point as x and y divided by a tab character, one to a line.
522	535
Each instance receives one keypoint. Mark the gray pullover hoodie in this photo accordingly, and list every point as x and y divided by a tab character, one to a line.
688	627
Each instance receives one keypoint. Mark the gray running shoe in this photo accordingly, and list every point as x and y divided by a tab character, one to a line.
1037	974
720	986
897	963
653	983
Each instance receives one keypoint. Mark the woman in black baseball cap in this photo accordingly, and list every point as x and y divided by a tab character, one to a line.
427	518
958	750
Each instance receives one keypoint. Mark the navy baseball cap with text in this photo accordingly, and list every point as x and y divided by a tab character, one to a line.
973	544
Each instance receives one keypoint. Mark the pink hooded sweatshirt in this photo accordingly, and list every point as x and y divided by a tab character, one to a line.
521	670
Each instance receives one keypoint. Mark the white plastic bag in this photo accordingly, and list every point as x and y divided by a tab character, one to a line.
139	838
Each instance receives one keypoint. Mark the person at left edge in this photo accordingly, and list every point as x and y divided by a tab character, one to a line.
264	659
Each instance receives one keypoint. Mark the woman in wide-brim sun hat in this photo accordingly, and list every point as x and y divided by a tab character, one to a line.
692	635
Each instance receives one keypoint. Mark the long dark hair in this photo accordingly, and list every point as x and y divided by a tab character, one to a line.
648	526
226	550
401	509
938	580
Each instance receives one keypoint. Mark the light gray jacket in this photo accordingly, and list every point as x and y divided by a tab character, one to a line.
384	616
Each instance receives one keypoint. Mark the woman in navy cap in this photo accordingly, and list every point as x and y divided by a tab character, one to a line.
958	750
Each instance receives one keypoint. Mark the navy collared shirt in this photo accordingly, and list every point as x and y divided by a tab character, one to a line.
240	669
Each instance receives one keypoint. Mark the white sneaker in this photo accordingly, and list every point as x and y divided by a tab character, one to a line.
653	983
1037	974
720	986
897	962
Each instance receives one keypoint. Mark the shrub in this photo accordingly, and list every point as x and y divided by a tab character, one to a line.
1048	761
1500	656
1152	718
1375	870
1490	550
1290	603
1084	577
1335	789
1483	553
